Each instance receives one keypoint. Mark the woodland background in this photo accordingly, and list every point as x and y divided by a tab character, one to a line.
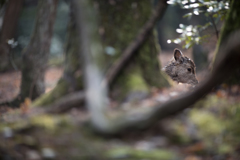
82	79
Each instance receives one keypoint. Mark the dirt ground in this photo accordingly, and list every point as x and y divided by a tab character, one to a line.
10	82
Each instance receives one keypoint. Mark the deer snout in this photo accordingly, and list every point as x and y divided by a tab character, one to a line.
192	81
195	82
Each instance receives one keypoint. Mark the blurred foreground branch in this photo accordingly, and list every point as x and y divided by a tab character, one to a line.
224	67
227	63
95	93
137	120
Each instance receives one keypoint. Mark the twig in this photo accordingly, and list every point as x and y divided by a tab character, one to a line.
214	26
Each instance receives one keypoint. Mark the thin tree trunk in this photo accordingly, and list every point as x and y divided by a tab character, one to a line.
10	20
231	24
72	76
35	56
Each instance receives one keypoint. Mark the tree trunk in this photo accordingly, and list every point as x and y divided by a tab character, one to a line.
231	24
146	66
117	31
35	55
68	137
72	76
10	20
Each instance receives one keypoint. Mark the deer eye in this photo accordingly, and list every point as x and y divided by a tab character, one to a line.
189	69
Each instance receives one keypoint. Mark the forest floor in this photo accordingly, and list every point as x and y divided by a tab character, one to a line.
10	82
185	135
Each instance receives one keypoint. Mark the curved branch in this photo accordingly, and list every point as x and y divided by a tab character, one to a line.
227	62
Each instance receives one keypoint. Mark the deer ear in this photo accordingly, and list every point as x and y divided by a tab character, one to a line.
177	54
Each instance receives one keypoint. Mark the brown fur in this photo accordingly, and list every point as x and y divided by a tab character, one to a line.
181	69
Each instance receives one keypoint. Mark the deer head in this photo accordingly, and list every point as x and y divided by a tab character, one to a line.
181	69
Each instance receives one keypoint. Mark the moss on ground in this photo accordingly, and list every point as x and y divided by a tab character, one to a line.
128	153
216	121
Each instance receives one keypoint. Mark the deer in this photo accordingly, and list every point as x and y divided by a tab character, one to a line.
181	69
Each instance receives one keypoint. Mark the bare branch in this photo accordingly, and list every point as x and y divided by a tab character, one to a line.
214	26
67	102
135	119
227	62
230	55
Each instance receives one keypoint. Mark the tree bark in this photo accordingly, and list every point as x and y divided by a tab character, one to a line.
101	120
132	38
134	46
30	135
72	80
35	55
10	20
72	76
139	119
231	24
228	61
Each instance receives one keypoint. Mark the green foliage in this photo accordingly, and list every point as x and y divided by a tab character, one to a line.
190	34
213	12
